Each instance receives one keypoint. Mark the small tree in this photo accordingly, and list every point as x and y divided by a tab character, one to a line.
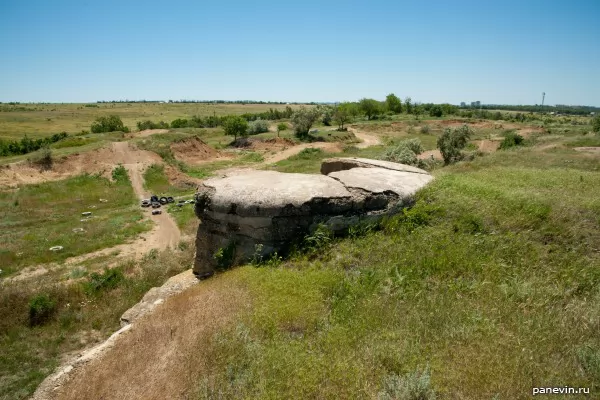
393	103
235	126
303	119
452	142
370	107
344	114
408	105
282	126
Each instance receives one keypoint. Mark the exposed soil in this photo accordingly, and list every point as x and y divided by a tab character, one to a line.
487	146
590	150
97	161
430	154
194	151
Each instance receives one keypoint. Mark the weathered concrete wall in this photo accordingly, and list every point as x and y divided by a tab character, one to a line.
274	210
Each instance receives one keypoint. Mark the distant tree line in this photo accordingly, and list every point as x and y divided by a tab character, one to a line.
27	145
558	108
213	121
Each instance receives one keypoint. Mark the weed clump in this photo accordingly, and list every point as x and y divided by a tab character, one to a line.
41	308
107	280
412	386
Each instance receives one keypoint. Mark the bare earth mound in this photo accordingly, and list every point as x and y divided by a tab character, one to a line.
194	151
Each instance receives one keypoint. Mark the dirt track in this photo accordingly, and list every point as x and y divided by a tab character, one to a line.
165	233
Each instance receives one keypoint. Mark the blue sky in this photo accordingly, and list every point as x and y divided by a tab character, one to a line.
506	52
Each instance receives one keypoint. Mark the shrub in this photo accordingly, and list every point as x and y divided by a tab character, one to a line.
596	124
405	152
452	142
119	174
258	126
41	308
179	123
412	386
511	139
107	280
425	129
112	123
42	158
143	125
436	111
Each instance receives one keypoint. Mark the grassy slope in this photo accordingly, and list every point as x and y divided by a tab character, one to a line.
497	292
37	217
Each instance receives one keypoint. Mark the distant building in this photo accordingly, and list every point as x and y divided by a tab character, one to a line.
476	104
463	104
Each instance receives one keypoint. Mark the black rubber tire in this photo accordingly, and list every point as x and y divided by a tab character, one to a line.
154	198
170	199
163	200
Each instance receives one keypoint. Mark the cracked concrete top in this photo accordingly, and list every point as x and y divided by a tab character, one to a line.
381	180
270	193
264	192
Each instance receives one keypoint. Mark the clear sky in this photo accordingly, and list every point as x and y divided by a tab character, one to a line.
501	52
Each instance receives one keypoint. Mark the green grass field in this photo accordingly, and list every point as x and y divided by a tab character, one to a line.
37	217
42	120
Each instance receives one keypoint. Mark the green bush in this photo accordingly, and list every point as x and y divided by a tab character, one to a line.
143	125
511	139
452	142
112	123
107	280
425	129
41	308
258	126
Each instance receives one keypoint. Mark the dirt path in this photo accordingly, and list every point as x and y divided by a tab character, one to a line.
368	140
292	151
164	234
